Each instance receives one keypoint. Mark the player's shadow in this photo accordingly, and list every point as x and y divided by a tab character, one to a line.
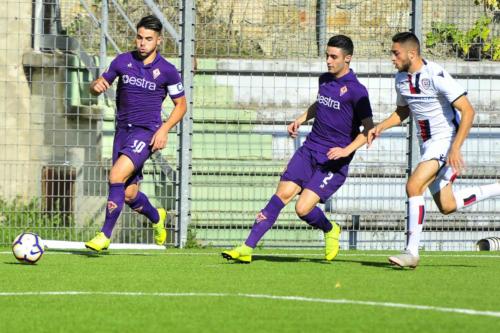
84	253
128	254
92	254
449	265
394	267
378	264
274	258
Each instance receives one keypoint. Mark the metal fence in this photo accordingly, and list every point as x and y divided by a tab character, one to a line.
249	68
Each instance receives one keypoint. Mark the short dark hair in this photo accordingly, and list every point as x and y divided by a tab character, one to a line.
342	42
150	22
406	37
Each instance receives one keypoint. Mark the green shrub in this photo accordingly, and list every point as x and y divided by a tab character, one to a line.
470	44
18	216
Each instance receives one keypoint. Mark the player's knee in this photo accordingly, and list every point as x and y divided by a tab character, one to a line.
284	197
413	189
115	177
129	197
302	209
447	209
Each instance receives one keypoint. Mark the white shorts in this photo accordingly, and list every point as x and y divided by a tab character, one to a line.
437	149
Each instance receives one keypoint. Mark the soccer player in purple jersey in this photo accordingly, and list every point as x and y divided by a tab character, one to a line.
432	96
320	166
144	80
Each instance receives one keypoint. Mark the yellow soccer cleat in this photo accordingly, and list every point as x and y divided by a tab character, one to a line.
332	242
160	232
241	253
99	243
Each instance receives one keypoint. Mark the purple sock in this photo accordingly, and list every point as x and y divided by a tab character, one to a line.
116	198
265	220
317	219
142	206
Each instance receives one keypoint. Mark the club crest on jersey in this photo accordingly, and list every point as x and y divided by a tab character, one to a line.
129	65
156	73
111	206
426	83
343	90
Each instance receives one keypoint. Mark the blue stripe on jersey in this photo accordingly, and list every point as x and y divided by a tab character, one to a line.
456	118
417	86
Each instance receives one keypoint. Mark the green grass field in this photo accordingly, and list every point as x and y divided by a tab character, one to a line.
281	291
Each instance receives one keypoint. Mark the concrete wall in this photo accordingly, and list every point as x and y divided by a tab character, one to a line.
285	83
21	121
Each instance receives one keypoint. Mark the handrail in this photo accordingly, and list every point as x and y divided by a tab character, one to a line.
166	25
98	24
124	15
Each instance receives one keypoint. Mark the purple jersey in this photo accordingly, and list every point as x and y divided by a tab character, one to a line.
340	106
142	88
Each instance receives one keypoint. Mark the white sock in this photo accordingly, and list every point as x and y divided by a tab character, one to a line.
415	223
470	195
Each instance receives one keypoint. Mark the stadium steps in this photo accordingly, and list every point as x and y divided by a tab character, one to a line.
234	172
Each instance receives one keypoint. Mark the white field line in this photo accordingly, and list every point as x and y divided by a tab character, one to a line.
167	253
258	296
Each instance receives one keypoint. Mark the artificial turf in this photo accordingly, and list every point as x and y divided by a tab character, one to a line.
280	291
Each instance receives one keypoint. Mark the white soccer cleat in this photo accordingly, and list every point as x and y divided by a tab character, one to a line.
405	259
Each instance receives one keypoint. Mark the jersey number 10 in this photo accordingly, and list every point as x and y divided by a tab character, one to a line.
138	146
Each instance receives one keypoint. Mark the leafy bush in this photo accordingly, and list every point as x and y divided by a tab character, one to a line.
470	44
488	4
18	216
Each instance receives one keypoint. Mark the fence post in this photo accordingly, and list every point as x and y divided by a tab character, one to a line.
186	130
417	10
104	31
416	28
413	147
353	234
321	15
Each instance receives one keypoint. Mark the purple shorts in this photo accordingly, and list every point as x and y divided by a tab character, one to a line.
314	171
134	143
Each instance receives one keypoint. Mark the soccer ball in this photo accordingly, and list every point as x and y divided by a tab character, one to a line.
27	247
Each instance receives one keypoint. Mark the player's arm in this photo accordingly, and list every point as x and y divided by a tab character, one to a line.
361	139
455	159
293	127
396	118
159	140
103	82
99	86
